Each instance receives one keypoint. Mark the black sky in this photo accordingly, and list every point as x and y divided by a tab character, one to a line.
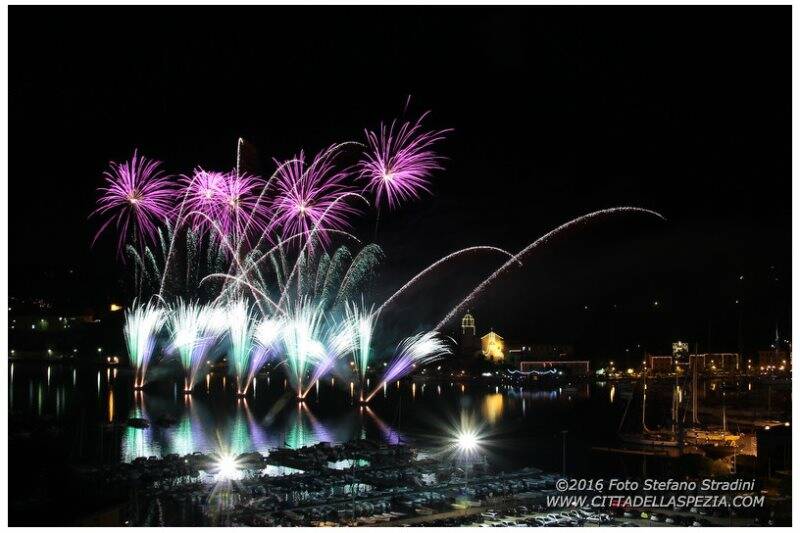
557	111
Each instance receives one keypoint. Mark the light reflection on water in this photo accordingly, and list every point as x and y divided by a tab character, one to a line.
212	420
492	407
197	430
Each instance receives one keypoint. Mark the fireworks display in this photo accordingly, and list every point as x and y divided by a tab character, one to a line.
301	343
311	195
544	239
418	350
203	197
241	326
137	196
399	161
240	204
142	325
266	336
194	330
339	343
360	323
245	270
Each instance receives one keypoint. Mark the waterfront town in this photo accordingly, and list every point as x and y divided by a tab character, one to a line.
729	412
399	266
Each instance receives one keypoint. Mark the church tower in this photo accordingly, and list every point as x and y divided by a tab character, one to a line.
468	324
469	343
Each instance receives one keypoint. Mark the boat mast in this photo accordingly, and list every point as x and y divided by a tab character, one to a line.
644	399
724	419
694	385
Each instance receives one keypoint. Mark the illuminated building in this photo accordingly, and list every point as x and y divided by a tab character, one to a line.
468	324
493	347
722	362
659	364
715	362
680	351
538	352
682	361
468	343
774	359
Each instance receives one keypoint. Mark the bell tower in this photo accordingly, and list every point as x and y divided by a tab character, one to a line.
468	324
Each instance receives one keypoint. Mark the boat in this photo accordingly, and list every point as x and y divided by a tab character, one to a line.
649	439
719	450
140	423
711	436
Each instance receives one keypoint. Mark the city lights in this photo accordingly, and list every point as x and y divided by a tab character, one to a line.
308	233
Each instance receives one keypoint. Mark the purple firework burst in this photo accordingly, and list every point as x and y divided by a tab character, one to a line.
226	200
241	205
399	161
137	196
202	197
312	194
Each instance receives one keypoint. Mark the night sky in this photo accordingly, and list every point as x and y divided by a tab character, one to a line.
557	111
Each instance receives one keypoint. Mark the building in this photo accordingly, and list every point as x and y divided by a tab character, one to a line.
468	325
493	347
773	360
708	363
680	351
698	361
659	364
538	352
468	343
722	362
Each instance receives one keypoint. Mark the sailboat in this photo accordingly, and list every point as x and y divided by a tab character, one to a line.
647	437
715	442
